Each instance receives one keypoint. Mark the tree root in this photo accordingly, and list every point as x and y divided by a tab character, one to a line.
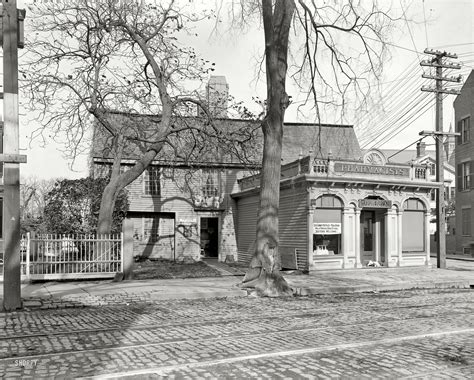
266	284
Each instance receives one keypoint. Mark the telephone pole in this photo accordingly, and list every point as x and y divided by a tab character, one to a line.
12	39
439	63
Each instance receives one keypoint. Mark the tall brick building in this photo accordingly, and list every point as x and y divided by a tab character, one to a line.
464	110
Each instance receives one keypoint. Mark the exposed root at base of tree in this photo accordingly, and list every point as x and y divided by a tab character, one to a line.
266	284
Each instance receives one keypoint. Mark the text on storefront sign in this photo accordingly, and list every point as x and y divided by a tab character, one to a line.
371	169
375	203
326	228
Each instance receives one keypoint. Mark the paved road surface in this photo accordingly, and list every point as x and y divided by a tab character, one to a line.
409	334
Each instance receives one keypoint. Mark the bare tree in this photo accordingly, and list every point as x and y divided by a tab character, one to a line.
86	59
32	201
335	47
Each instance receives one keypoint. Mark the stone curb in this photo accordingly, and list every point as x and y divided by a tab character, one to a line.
306	291
197	295
148	297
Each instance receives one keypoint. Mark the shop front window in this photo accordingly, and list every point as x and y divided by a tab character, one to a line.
413	226
327	226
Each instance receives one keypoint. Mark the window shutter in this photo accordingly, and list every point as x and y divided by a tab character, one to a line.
458	130
459	177
468	127
471	174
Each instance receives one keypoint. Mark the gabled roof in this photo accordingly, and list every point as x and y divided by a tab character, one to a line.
406	156
298	138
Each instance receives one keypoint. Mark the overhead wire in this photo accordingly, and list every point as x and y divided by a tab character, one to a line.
398	108
404	105
409	122
396	126
400	85
399	121
403	98
424	21
406	122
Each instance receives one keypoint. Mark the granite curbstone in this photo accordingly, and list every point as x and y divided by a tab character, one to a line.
314	290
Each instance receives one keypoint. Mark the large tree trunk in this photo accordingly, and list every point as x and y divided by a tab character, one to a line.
264	272
107	205
118	182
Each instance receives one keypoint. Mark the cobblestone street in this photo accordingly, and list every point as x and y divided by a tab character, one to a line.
409	334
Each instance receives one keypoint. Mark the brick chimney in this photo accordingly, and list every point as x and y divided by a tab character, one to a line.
217	93
420	149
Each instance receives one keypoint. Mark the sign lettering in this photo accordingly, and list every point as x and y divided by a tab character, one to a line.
371	169
375	203
326	228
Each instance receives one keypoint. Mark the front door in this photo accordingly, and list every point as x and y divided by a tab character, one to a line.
367	238
209	237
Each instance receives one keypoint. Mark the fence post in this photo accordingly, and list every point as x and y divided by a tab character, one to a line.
127	249
27	259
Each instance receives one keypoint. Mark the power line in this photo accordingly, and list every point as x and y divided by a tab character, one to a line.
424	17
400	106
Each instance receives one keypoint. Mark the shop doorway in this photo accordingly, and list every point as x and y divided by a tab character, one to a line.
372	229
209	237
367	239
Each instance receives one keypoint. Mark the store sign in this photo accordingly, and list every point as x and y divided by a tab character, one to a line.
187	222
326	228
374	203
371	169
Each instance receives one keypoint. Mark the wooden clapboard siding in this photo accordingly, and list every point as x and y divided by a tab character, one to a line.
174	198
247	208
293	220
292	223
164	246
171	198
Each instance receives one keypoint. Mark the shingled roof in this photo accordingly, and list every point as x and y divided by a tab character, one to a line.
339	141
323	139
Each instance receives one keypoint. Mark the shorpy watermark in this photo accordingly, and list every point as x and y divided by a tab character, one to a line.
26	363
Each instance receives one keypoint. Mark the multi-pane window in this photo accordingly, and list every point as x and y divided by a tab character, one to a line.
432	168
465	176
452	192
464	128
152	181
210	183
466	221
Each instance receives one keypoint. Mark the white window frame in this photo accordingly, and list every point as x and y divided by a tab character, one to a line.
210	190
465	175
465	129
466	224
147	190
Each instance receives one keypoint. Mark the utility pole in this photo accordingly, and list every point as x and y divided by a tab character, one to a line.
12	38
439	64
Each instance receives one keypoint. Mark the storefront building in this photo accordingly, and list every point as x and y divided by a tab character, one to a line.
345	214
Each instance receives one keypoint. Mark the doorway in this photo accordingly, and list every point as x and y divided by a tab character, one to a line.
367	239
372	230
209	237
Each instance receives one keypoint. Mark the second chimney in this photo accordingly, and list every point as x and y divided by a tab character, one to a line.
217	95
420	149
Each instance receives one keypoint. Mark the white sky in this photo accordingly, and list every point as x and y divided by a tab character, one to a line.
449	27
